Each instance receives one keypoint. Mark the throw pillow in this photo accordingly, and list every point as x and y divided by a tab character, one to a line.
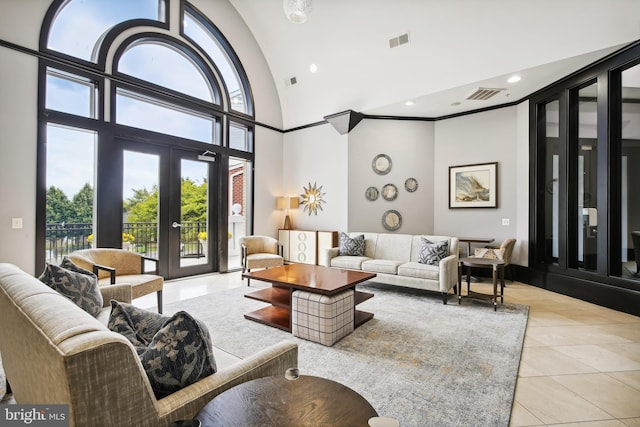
431	253
80	288
489	253
175	351
351	246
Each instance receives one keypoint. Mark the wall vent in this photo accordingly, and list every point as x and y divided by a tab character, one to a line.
483	93
399	40
291	81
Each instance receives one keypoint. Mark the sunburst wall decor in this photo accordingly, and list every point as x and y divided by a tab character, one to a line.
312	198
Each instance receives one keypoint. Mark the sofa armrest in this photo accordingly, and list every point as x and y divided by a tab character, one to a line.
331	253
448	273
273	360
120	292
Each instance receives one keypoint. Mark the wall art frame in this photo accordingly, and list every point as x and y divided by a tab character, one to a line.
473	186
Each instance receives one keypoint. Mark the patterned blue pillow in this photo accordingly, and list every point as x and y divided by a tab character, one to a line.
175	351
431	253
351	246
81	288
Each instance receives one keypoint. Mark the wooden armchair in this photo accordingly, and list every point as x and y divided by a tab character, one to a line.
260	252
116	266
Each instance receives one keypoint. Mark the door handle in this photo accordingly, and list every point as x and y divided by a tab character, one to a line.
176	224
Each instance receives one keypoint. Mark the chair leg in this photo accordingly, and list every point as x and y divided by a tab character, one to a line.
160	302
248	279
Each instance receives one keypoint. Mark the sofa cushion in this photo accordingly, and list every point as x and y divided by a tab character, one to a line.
420	271
81	288
431	253
349	262
387	266
175	351
351	246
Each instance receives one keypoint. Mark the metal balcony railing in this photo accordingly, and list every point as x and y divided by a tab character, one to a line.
140	237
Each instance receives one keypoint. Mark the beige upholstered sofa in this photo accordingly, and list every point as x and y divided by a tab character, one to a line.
394	259
116	266
55	352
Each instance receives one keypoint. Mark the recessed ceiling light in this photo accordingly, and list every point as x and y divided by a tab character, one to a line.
514	79
313	68
409	103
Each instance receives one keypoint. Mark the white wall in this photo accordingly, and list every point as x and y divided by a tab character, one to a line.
490	136
317	155
267	182
410	145
18	91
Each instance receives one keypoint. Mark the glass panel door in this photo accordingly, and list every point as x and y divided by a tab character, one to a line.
630	173
140	207
552	182
192	234
587	178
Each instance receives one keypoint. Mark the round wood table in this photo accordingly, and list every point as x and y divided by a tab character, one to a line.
278	402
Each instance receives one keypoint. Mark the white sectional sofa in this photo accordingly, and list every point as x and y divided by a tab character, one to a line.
394	258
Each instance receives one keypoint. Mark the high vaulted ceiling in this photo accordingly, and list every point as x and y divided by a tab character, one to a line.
455	47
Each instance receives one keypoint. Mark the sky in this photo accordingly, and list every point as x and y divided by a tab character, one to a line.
65	146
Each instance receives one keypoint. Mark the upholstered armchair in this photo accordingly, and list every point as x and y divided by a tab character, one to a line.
260	252
116	266
507	251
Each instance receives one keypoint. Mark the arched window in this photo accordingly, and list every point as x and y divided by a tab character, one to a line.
148	120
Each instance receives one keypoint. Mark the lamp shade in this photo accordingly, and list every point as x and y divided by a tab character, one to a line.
287	202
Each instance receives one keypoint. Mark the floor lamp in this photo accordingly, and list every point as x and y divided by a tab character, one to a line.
286	203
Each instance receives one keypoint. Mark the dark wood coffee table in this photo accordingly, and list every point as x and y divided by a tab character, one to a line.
311	278
278	402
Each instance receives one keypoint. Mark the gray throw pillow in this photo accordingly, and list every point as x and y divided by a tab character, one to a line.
431	253
351	246
175	351
81	288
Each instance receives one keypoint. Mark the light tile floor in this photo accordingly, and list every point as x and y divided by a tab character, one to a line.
580	363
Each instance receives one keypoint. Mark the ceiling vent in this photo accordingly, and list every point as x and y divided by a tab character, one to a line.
399	41
483	93
291	81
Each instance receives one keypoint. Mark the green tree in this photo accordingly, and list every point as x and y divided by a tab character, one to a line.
142	206
82	205
59	208
194	201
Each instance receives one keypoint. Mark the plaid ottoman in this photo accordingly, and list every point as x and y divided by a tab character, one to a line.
321	318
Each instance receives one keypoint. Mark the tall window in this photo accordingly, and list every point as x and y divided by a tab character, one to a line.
586	146
131	92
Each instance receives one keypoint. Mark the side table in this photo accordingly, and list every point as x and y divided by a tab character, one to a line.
498	268
280	402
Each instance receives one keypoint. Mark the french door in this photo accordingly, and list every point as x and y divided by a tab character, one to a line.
170	207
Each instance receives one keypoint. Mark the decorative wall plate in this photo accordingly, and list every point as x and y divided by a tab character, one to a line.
389	192
381	164
411	185
372	194
391	220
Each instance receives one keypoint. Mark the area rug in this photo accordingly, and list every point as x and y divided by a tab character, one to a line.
419	361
